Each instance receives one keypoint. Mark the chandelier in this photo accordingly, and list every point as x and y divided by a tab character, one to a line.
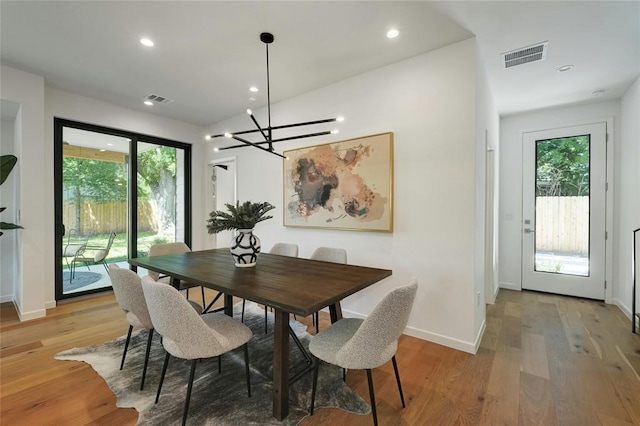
267	132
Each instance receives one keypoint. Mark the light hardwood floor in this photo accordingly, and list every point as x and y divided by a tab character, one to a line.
543	360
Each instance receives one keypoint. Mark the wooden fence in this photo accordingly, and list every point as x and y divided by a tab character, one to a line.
102	218
562	224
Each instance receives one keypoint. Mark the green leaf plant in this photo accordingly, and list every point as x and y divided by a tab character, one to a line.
240	216
7	162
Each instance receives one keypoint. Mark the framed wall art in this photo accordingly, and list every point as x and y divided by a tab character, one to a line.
341	185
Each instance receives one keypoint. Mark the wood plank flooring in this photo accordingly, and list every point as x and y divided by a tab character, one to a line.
544	359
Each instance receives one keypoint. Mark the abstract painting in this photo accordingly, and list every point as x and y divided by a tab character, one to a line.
341	185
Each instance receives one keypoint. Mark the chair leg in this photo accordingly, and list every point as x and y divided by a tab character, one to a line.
146	358
344	374
189	388
164	370
372	396
315	384
187	293
126	345
246	367
266	326
203	301
317	315
395	368
242	315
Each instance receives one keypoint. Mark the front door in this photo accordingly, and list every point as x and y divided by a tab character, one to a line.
564	205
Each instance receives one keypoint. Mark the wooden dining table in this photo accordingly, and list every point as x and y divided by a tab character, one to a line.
290	285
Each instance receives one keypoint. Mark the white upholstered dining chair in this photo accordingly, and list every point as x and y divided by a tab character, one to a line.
359	344
187	335
127	287
327	254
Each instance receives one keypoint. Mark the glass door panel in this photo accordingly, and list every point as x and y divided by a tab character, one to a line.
160	196
562	205
94	205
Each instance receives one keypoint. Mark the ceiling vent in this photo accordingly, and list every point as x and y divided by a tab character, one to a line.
524	55
156	99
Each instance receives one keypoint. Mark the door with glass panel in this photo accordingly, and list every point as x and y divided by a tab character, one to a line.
564	206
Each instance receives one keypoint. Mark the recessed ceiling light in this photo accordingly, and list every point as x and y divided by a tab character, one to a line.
251	99
109	144
146	42
393	33
565	68
253	89
599	92
149	103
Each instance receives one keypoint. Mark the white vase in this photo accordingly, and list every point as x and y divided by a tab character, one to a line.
245	248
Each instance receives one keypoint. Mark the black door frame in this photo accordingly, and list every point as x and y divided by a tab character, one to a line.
58	125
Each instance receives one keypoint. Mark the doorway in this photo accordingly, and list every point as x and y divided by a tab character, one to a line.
117	193
564	211
223	191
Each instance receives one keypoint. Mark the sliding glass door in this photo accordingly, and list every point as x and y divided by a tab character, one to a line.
117	193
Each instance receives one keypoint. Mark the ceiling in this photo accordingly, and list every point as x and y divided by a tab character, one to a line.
207	54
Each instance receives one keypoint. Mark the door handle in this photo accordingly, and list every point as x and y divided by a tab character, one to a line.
529	231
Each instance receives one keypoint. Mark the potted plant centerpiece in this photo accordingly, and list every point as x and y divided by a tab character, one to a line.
245	246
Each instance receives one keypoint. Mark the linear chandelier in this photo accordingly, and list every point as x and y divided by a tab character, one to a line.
267	132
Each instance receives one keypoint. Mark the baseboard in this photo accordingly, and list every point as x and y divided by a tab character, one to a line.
432	337
50	304
495	293
509	286
476	345
26	316
5	299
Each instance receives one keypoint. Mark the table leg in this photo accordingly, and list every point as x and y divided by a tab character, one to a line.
175	282
228	305
336	312
281	365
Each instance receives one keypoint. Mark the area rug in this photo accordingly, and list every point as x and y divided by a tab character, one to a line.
216	399
80	279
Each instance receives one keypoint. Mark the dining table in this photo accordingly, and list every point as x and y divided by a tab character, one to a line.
289	285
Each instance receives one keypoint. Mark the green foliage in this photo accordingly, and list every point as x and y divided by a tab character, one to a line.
94	179
240	216
7	162
152	163
563	167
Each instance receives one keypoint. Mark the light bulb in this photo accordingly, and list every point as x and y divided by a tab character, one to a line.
216	149
249	111
334	131
340	119
208	137
228	135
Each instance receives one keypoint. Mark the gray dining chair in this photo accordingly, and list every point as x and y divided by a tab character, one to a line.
366	344
187	335
282	249
171	248
327	254
127	288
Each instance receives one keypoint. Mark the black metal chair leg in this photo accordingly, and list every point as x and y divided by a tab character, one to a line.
242	316
344	374
126	346
315	384
187	293
395	368
266	326
246	367
164	370
146	359
189	388
372	396
203	301
317	315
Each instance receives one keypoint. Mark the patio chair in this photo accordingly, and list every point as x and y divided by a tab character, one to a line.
93	255
74	247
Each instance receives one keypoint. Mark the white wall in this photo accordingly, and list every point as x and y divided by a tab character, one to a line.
627	199
8	199
429	102
28	90
511	130
487	127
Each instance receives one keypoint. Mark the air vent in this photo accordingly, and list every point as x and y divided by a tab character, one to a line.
525	55
156	99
